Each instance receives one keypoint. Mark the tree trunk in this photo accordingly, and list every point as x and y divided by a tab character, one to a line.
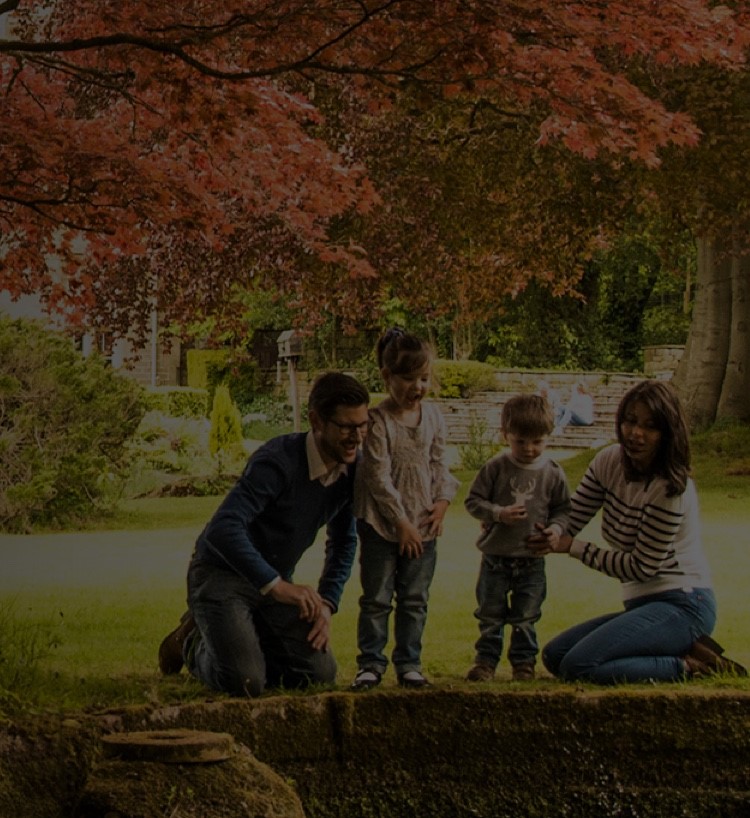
734	400
700	374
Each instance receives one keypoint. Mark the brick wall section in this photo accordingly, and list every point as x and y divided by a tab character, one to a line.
466	416
461	414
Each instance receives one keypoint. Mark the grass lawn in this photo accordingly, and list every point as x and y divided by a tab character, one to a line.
82	613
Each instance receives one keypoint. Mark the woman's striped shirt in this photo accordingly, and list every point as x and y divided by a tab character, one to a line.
655	540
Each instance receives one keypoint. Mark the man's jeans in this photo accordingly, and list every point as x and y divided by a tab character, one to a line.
510	591
386	574
645	642
245	641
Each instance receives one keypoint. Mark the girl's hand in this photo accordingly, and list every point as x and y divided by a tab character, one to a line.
409	539
434	520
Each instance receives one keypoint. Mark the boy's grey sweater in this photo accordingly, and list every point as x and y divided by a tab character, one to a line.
502	481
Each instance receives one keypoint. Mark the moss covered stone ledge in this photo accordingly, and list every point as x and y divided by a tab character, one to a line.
665	752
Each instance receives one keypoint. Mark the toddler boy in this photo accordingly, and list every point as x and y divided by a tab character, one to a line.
512	492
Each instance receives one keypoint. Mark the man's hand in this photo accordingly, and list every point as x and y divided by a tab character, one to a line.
307	599
320	633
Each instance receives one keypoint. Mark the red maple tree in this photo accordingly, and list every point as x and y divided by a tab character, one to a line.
157	156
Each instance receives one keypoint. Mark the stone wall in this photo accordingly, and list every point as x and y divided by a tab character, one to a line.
660	361
557	753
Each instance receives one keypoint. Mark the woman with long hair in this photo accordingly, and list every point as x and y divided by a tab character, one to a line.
650	521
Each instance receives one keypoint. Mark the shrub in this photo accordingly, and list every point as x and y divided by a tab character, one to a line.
241	375
267	417
462	379
64	424
482	445
178	401
198	362
225	439
170	444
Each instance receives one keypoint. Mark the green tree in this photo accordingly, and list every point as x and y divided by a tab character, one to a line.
64	423
225	437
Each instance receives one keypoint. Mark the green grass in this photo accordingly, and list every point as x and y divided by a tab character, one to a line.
82	613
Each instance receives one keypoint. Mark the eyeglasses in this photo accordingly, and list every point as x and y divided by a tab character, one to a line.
350	428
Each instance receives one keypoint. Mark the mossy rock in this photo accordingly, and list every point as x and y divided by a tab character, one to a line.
238	787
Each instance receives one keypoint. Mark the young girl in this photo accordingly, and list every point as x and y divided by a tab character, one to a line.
650	520
401	492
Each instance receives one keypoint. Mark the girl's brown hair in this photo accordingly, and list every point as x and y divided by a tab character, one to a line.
401	353
672	460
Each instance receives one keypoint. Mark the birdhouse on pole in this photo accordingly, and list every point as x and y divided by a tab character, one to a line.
290	345
290	350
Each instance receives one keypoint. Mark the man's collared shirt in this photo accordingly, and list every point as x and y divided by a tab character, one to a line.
318	469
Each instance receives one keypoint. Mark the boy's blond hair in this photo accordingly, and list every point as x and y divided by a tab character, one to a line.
528	416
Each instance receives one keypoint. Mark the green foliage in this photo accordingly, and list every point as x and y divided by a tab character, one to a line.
626	299
365	369
265	418
64	424
663	325
26	644
721	458
481	447
179	401
242	377
462	379
170	445
198	361
225	438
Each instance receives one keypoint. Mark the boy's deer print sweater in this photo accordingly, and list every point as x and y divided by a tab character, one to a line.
504	482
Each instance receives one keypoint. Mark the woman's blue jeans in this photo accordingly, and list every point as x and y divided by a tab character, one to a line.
245	641
645	642
385	575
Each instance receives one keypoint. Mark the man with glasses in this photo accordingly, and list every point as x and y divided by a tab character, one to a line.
249	625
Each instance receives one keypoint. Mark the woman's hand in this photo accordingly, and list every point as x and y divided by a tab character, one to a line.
549	541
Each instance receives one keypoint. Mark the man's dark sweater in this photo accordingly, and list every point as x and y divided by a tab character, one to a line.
272	516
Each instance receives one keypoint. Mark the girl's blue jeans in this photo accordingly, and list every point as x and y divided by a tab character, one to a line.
645	642
387	576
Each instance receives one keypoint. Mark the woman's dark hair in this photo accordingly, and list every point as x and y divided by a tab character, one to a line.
334	389
672	460
400	352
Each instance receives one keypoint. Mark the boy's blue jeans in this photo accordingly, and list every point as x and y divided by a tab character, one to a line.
245	641
645	642
510	591
386	575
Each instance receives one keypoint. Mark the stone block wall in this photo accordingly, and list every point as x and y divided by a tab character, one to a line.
554	752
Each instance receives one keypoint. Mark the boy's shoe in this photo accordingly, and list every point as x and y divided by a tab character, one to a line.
480	672
170	651
366	679
524	672
413	679
705	658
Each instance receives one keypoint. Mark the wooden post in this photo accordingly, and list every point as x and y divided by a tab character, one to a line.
294	393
